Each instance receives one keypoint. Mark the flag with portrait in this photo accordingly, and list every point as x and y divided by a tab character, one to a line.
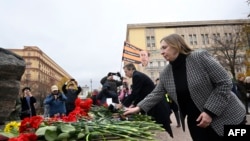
131	53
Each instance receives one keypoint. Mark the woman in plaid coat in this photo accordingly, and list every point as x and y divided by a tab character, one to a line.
200	86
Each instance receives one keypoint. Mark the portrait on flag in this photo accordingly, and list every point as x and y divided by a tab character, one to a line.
133	54
144	57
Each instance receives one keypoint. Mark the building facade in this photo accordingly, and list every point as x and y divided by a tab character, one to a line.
41	72
198	34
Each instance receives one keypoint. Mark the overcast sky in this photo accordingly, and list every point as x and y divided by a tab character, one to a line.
85	37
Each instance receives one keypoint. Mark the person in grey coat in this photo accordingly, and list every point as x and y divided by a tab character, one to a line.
201	88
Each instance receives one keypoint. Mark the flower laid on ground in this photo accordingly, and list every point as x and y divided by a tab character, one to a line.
12	127
29	125
79	125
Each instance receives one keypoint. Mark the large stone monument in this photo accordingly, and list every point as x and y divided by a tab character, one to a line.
12	67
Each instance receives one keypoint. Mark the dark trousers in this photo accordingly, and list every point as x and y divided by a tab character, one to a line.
161	114
202	134
175	109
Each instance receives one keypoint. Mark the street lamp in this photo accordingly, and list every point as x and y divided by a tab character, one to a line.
90	85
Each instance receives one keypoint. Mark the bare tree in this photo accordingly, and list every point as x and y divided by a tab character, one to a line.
229	49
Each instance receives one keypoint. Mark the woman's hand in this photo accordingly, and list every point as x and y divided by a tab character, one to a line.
129	111
204	120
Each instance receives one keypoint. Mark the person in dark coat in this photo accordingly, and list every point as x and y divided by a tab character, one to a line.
28	103
142	85
71	91
94	97
105	93
247	97
113	83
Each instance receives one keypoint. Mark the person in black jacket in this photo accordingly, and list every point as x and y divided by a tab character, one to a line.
142	85
28	103
71	93
113	83
105	93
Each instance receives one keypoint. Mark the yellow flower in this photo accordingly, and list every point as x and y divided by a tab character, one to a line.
12	127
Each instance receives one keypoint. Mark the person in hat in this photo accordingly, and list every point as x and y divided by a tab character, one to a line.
28	103
56	102
71	91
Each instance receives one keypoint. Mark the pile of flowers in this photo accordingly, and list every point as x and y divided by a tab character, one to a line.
85	122
30	128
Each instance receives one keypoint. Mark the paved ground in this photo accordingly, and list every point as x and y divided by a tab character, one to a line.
179	135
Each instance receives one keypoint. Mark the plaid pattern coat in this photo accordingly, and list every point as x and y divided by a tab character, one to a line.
210	88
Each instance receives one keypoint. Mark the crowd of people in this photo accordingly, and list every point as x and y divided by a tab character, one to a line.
194	85
56	103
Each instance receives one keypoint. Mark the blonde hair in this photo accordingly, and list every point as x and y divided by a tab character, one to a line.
247	79
176	41
240	75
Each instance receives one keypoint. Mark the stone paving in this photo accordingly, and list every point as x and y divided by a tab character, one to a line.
179	135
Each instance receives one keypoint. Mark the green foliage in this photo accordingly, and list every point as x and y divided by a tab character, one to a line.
102	127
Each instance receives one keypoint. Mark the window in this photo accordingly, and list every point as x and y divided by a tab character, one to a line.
205	39
159	64
237	38
195	39
150	41
230	38
218	36
227	37
239	60
150	64
190	39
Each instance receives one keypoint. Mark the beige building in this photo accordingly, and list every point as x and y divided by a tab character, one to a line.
41	72
198	34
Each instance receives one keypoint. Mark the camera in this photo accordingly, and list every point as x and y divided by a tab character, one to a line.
111	73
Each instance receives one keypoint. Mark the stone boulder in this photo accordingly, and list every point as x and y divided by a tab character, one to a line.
12	67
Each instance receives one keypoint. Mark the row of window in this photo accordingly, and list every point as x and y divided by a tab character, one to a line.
216	37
